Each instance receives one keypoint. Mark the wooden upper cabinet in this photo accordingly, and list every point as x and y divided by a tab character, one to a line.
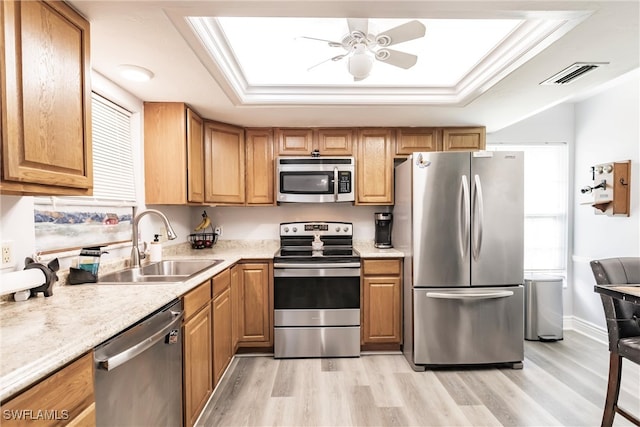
260	170
463	139
409	140
335	142
173	154
195	157
374	166
302	141
294	141
46	99
224	154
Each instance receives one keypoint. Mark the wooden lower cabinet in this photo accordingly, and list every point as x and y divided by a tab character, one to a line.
235	307
222	324
64	398
381	302
197	351
255	322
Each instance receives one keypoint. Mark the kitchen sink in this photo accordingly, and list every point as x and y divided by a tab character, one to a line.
170	271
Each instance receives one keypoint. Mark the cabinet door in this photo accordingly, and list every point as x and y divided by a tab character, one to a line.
46	99
165	154
235	307
381	310
224	153
335	142
195	158
256	300
374	165
294	142
198	378
260	167
409	140
221	334
463	139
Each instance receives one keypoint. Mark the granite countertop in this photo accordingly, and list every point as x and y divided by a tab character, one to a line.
40	335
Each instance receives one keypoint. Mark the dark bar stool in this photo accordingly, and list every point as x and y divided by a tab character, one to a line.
623	325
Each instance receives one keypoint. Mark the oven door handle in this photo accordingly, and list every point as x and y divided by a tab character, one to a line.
314	265
315	271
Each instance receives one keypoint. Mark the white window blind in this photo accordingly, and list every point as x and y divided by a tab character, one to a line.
545	205
113	177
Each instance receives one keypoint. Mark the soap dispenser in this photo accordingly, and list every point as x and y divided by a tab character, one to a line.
155	249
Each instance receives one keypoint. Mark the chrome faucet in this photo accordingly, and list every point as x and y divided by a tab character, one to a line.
135	251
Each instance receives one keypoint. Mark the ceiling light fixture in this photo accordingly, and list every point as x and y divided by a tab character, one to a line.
135	73
360	63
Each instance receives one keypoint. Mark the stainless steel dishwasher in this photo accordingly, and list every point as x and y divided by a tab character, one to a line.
138	373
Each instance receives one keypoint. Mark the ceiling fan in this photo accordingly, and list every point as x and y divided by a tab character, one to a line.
362	47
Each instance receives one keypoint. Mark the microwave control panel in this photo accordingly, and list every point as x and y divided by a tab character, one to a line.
344	182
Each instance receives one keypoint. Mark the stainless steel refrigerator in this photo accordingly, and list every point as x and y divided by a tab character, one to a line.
459	219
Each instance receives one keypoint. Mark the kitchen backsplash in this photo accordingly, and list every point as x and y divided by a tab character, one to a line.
261	223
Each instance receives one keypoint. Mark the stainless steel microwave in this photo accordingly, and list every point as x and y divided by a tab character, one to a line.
315	179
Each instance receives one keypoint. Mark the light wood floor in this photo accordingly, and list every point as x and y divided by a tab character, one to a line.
562	384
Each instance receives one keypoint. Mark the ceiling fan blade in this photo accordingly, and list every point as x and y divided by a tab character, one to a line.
330	42
335	58
358	24
396	58
408	31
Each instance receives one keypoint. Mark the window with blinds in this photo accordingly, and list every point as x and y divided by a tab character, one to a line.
113	177
546	175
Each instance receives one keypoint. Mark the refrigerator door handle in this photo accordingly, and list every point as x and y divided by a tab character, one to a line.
478	210
465	215
469	295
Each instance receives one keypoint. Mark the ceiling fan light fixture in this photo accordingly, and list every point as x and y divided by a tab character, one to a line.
360	64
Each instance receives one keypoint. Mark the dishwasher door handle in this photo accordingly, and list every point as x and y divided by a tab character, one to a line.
112	362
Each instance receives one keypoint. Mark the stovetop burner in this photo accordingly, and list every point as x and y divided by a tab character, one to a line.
296	239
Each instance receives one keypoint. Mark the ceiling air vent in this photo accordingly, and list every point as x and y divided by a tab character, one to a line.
572	72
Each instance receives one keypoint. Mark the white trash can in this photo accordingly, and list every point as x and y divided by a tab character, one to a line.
543	308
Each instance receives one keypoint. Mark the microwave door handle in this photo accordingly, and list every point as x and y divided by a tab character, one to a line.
335	183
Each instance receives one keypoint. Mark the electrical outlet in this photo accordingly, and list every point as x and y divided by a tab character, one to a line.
7	254
218	230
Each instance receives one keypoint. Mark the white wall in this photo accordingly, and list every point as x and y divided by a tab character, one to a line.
607	129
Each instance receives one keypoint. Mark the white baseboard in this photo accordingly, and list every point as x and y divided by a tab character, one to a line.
588	329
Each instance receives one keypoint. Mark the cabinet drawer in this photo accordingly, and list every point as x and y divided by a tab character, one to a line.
64	395
197	298
389	267
221	282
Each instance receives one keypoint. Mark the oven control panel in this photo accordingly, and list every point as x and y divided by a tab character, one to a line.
327	228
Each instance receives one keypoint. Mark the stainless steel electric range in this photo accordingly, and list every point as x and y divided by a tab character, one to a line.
316	291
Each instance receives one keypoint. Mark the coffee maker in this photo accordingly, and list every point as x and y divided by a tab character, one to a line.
384	222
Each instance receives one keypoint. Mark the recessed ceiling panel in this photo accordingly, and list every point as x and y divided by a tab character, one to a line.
300	61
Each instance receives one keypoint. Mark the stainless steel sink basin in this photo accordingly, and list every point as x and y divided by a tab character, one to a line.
170	271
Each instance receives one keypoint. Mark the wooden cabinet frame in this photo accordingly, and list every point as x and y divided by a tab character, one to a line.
45	99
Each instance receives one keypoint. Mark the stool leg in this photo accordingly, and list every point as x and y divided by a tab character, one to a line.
613	389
